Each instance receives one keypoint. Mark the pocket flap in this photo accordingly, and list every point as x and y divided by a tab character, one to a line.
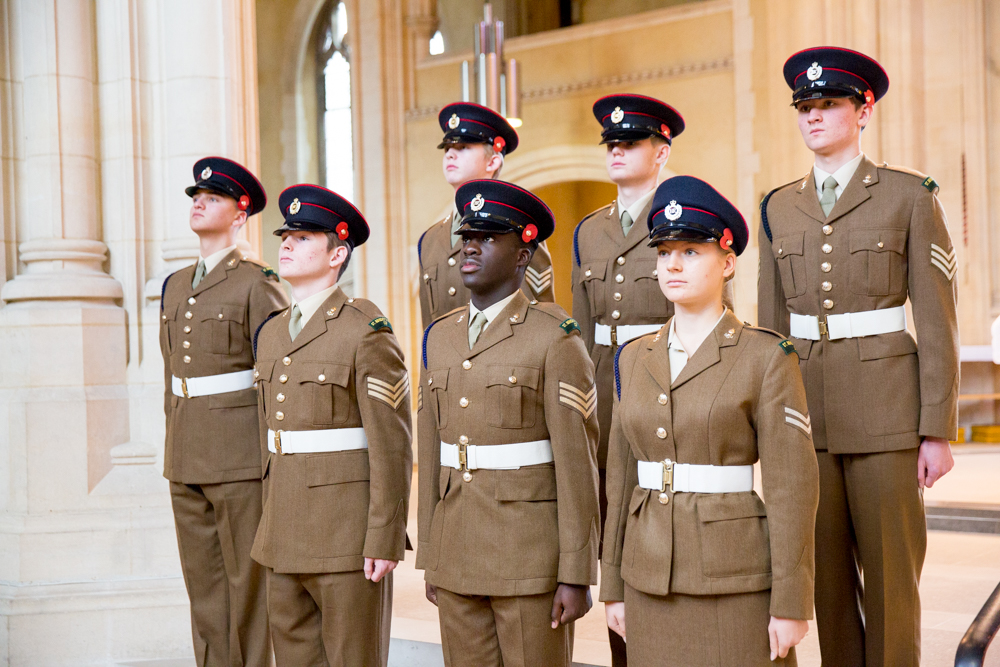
788	245
337	374
264	370
513	376
639	495
726	506
337	468
878	240
437	378
224	313
593	271
233	399
645	269
430	273
896	344
169	312
534	483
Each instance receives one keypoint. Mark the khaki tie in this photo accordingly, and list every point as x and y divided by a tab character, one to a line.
829	198
626	222
476	328
295	322
456	222
199	273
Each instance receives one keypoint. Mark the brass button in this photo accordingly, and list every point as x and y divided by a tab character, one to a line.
827	229
655	272
256	374
451	261
661	433
615	314
827	248
621	261
187	359
192	301
287	361
467	476
780	251
463	440
466	364
186	344
280	398
351	300
220	316
512	379
187	329
321	377
283	379
188	315
279	415
618	296
430	381
664	499
619	278
588	273
826	286
464	402
451	291
825	267
881	245
828	304
164	318
662	399
427	276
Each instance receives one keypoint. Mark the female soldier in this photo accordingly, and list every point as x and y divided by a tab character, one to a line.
695	565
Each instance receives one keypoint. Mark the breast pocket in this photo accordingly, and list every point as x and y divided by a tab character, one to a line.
437	382
591	278
225	328
430	286
735	541
511	395
878	261
647	287
329	385
791	264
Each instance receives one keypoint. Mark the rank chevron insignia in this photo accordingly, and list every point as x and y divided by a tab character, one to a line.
584	403
946	261
539	281
391	394
799	420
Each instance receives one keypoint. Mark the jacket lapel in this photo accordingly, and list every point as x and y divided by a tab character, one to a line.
502	327
726	334
316	326
657	361
460	333
219	273
639	231
856	192
807	201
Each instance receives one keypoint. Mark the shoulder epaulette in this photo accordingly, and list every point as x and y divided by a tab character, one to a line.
925	180
163	290
576	232
570	325
257	332
618	379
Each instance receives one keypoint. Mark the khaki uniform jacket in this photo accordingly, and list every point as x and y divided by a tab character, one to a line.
208	330
327	512
886	239
738	400
441	286
508	532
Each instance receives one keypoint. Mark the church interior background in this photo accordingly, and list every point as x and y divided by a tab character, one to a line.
106	104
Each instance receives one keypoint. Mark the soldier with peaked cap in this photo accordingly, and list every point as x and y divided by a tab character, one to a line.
335	432
695	568
476	141
842	249
615	293
209	313
507	445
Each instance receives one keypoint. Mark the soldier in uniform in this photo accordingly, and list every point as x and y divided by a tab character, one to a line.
615	294
694	566
841	250
209	313
335	415
507	445
476	140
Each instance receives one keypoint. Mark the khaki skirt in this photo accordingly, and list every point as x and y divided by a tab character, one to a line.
699	630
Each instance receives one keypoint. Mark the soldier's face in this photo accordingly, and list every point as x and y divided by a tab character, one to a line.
212	212
304	257
465	162
635	161
831	124
490	260
693	273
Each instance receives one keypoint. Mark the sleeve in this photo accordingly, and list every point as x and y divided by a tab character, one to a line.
933	296
790	480
266	298
423	292
581	302
772	311
167	375
383	391
571	420
622	478
539	276
428	469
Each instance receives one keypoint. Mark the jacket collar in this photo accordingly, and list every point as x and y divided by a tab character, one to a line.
725	334
219	273
317	324
855	194
501	328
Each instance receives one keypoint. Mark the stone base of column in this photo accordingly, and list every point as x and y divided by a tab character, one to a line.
62	269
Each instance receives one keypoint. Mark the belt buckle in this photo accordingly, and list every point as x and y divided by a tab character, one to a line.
463	462
277	442
614	336
823	330
668	476
184	387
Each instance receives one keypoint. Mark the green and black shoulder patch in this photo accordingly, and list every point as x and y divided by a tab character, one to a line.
930	184
570	325
269	272
787	346
380	323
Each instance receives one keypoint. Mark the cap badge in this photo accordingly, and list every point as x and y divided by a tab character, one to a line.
454	121
617	115
673	211
477	202
294	207
814	72
206	173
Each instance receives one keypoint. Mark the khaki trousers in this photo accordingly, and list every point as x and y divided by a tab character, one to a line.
870	523
481	631
329	620
216	525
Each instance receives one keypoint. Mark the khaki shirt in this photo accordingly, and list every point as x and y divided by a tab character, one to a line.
327	512
508	532
208	330
739	399
441	286
886	241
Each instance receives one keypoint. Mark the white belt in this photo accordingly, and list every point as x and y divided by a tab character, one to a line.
211	384
496	457
690	478
849	325
313	442
621	334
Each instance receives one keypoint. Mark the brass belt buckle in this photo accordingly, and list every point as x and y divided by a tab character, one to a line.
668	476
463	462
823	331
614	336
184	387
277	442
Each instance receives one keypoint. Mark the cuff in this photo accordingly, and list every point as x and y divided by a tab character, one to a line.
579	567
792	597
612	584
389	541
939	421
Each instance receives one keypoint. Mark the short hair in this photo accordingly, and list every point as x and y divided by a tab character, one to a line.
334	241
488	148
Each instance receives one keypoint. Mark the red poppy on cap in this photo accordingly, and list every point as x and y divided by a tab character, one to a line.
243	203
727	239
530	233
869	97
498	144
342	231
